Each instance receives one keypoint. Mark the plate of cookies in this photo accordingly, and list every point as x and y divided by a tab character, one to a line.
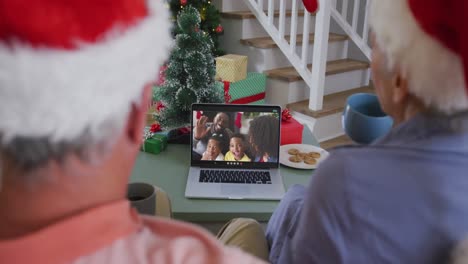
302	156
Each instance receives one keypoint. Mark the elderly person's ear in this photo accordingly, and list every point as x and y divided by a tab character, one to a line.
400	88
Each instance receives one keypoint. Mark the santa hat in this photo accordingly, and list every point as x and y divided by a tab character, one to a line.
70	66
428	39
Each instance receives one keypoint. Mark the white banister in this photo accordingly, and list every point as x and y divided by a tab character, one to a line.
271	11
319	62
293	31
355	13
344	9
352	33
365	33
282	18
314	78
260	5
305	39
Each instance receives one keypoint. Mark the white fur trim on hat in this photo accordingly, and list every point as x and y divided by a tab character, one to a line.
434	73
59	94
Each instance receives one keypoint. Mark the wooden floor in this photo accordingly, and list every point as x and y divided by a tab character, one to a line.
335	142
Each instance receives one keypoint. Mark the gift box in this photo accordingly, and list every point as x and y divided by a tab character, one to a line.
291	132
231	68
154	144
251	90
150	116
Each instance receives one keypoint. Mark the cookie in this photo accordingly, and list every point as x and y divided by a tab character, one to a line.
314	155
293	151
310	161
295	159
302	155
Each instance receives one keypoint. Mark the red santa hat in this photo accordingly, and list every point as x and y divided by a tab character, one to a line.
428	39
71	66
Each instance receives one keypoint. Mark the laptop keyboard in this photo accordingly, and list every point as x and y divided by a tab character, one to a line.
235	176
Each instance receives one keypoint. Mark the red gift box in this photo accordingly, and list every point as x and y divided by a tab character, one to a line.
291	132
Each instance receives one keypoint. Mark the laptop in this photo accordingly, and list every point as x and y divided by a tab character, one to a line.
235	152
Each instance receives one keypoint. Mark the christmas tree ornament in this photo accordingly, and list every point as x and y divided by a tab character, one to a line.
183	2
219	29
155	128
286	115
311	5
70	51
159	106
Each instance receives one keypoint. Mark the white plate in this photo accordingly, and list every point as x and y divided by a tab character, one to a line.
284	155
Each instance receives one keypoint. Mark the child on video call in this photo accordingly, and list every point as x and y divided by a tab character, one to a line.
213	149
237	148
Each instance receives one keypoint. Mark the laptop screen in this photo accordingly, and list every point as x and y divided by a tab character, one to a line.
240	136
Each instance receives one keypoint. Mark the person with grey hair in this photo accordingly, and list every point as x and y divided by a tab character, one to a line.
403	198
74	92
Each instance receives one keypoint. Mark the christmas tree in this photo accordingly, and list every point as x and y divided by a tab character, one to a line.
210	19
189	74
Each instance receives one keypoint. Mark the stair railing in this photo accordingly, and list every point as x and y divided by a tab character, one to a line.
314	76
357	32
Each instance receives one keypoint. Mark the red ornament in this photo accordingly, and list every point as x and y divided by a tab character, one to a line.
159	106
311	5
219	29
155	128
183	2
286	115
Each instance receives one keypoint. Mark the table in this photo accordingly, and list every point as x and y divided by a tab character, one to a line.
169	171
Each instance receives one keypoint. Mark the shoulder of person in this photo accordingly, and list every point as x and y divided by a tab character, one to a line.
186	243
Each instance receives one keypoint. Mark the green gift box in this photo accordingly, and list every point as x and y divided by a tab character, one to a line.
251	90
155	144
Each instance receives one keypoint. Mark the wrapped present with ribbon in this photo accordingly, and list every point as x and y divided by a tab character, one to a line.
291	129
231	67
251	90
154	141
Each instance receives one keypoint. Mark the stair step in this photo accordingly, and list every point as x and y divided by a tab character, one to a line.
250	15
268	43
332	103
290	74
336	142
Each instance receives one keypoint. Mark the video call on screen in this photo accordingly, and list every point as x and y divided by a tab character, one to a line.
235	137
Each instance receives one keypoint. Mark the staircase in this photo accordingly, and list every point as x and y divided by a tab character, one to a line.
282	41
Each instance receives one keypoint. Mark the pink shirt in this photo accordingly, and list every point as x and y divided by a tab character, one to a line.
115	233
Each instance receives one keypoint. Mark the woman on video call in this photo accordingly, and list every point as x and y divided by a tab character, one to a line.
263	131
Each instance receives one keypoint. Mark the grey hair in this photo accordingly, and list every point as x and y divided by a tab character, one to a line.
28	154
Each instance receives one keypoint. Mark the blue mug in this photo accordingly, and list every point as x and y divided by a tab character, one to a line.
364	120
